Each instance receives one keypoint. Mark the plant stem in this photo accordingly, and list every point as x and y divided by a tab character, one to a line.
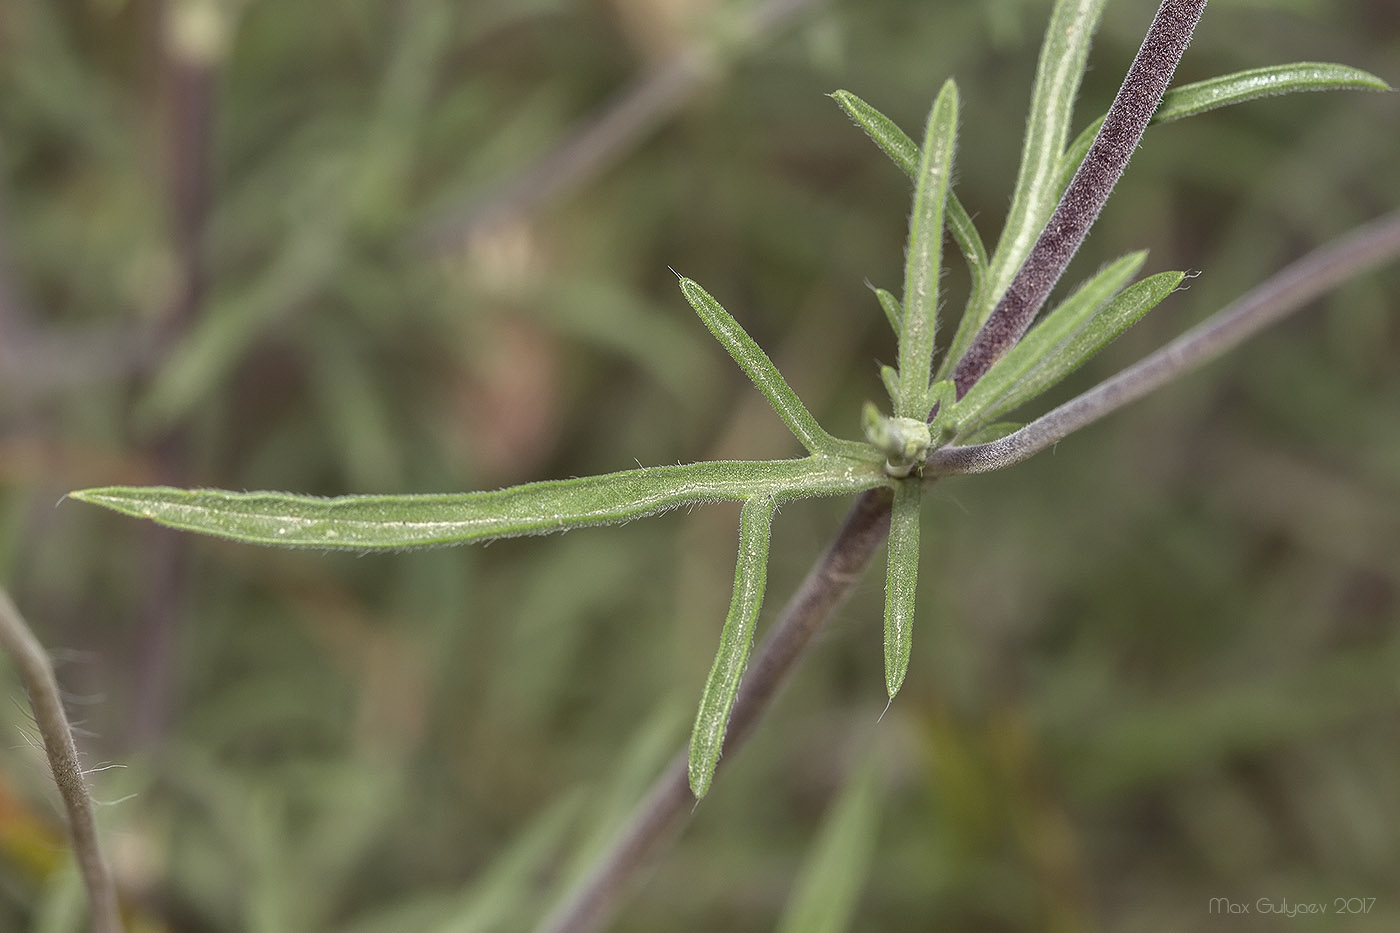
1079	206
36	672
1278	296
657	817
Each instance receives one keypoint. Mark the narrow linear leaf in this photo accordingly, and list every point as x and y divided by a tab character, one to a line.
761	371
890	377
896	144
894	313
1075	349
835	870
1237	88
883	131
941	395
900	581
717	701
923	259
1058	74
391	522
1094	294
1255	83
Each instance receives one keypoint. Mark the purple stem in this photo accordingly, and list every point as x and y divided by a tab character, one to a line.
1079	206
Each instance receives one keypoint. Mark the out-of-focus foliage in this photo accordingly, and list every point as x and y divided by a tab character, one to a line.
1195	698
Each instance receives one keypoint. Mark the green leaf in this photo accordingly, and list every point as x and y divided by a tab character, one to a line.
827	891
896	144
900	580
894	313
890	377
941	395
923	258
1241	86
1237	88
1057	78
390	522
716	703
1076	348
760	369
1040	339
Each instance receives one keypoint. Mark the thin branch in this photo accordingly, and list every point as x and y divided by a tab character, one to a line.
603	138
1079	207
658	815
1280	295
36	672
37	359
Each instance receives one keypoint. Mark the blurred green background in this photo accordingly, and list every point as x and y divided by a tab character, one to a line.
422	245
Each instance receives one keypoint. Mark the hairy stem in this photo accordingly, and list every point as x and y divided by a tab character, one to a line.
1278	296
658	814
36	672
1079	206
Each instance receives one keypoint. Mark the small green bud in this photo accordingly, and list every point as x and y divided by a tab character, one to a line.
905	442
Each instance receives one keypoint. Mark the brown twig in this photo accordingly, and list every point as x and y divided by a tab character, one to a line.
36	672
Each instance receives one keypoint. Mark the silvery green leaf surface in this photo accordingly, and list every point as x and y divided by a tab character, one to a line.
1237	88
735	640
924	254
760	369
902	150
1058	74
828	889
364	523
1241	86
1094	294
1077	347
901	579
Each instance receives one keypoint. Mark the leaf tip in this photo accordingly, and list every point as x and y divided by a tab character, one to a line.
700	775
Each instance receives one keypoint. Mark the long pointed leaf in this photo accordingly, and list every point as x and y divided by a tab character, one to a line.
922	261
902	150
894	311
1075	349
1058	324
834	871
716	703
1237	88
1058	74
900	582
761	371
393	522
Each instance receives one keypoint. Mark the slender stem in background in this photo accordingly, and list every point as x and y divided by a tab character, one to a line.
605	137
1278	296
658	815
38	359
1079	206
36	672
189	91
